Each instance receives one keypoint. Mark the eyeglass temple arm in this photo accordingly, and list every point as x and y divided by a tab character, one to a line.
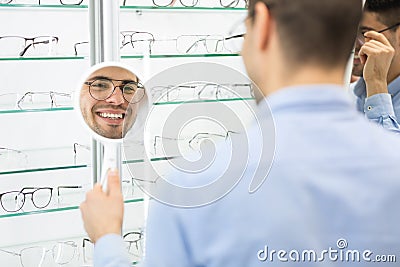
67	187
10	252
193	45
75	45
32	44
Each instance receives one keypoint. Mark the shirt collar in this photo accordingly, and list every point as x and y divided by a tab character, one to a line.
328	95
360	87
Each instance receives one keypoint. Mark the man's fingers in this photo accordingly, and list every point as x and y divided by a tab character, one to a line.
113	183
373	48
377	36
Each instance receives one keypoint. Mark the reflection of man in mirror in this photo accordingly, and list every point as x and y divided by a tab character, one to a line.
105	98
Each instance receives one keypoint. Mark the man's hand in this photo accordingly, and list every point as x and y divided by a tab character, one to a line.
376	55
102	213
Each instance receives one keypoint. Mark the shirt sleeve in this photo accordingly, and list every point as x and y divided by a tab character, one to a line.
110	251
379	108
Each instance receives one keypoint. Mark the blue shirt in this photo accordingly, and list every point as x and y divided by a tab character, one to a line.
334	185
383	109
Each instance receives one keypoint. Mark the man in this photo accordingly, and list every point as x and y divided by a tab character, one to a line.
332	193
377	61
109	101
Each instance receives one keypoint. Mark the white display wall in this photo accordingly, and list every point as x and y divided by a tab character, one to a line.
37	138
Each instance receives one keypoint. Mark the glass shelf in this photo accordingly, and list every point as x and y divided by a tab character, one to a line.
180	56
183	8
122	57
13	162
202	101
42	211
7	111
42	58
61	158
13	111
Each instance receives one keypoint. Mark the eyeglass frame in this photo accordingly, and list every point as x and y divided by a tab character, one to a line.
19	254
163	92
79	43
77	4
226	135
51	94
22	53
131	33
196	2
35	189
361	34
139	85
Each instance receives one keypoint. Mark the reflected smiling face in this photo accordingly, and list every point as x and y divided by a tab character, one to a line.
113	116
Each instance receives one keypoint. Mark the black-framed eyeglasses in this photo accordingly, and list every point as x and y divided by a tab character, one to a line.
19	44
13	201
103	88
361	37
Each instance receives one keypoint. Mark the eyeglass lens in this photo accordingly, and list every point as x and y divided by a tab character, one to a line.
101	89
62	253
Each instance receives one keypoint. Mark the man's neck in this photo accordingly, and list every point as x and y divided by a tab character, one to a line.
304	76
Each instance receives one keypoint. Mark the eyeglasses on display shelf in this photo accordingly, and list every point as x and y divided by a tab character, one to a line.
81	154
14	201
145	181
30	2
68	195
12	158
202	91
195	141
181	146
195	44
139	42
35	100
133	243
24	46
195	3
81	48
63	252
131	42
44	100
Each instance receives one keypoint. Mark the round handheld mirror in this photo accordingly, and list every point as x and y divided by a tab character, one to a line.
112	103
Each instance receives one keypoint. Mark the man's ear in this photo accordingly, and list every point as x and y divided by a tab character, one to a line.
262	25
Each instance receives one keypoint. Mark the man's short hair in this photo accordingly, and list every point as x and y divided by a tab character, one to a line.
388	11
315	31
